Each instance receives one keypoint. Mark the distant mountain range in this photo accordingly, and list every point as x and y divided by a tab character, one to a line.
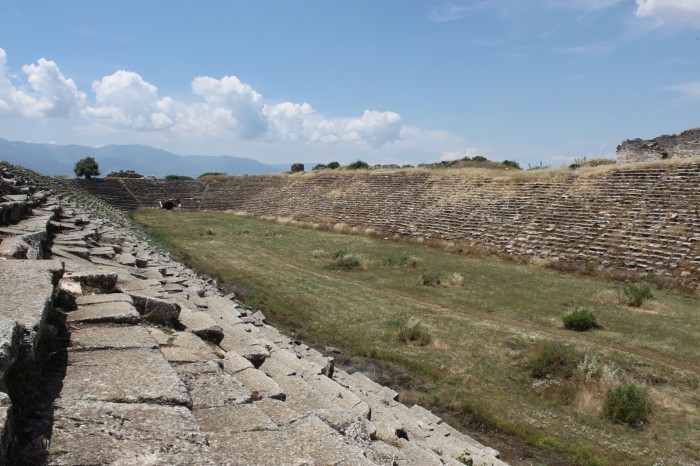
54	159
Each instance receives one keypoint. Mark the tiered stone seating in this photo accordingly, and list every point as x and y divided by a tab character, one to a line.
161	368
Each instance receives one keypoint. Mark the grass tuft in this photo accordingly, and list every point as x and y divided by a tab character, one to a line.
554	359
636	294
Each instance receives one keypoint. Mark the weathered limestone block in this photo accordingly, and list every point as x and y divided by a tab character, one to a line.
233	418
186	347
201	324
210	387
27	293
307	441
98	338
259	384
10	343
124	375
114	313
90	432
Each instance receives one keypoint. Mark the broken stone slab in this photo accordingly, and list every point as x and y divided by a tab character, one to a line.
156	310
186	347
234	363
81	252
27	295
201	324
98	338
131	375
306	441
348	423
88	432
339	395
104	281
211	387
233	419
104	313
278	411
125	258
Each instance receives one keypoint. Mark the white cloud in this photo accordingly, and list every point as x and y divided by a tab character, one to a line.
687	91
670	10
375	128
125	100
52	95
233	106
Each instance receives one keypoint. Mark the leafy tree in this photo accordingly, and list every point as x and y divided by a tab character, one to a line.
333	165
86	167
358	165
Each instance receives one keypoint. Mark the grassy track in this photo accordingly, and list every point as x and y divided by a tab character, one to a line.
484	333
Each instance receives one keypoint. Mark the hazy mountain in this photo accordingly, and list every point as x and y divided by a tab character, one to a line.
54	159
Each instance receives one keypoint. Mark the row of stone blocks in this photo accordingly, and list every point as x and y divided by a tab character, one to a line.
600	219
163	369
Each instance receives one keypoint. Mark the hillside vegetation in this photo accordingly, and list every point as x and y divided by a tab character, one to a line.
481	341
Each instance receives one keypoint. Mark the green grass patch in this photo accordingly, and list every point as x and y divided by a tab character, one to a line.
554	359
637	294
484	332
628	404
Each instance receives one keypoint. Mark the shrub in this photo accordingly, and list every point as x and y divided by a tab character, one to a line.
628	404
411	331
319	166
511	164
333	165
636	294
178	178
211	174
554	360
430	279
347	261
580	319
455	279
479	158
357	165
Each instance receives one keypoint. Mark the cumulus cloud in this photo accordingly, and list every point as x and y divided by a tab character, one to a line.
670	10
50	94
233	106
375	128
125	100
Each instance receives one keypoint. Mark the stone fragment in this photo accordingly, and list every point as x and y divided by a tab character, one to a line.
233	418
104	281
186	347
210	387
201	324
103	298
259	384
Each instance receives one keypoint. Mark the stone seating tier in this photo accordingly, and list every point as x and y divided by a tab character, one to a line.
161	368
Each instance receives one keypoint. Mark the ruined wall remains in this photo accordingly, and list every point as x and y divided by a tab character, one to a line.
677	146
637	220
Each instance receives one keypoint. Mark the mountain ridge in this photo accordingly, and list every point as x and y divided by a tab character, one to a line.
57	159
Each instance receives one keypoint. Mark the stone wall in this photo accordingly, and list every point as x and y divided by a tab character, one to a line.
677	146
632	220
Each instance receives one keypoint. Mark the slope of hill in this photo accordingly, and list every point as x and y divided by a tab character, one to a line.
54	159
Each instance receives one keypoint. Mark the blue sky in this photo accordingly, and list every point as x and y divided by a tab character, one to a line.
386	81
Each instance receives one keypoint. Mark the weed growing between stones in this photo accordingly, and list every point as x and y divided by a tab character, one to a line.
580	319
636	294
628	404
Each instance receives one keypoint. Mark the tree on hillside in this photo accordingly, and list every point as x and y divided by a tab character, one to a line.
86	167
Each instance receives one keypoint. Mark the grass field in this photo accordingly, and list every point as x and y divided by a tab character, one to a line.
467	348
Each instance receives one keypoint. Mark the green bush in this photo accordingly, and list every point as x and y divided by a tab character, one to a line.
635	294
359	164
399	261
479	158
511	164
86	167
580	319
333	165
178	178
319	166
211	174
554	360
628	404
